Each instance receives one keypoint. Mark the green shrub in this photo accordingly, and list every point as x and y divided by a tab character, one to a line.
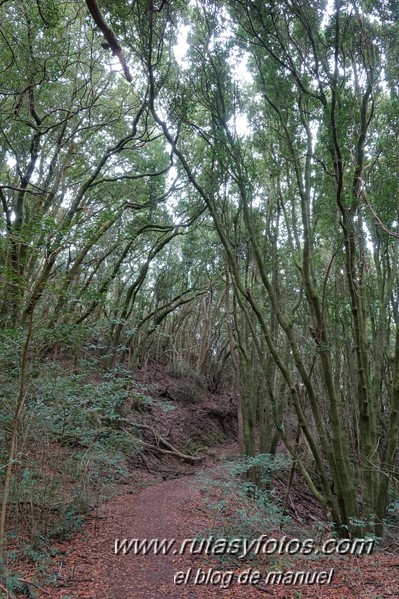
245	510
72	449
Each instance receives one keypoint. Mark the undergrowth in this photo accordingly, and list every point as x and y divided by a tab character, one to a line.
243	510
71	452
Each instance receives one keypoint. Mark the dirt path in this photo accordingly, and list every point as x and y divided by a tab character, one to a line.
174	510
169	510
162	511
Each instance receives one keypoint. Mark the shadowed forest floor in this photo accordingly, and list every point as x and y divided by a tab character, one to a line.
164	498
89	568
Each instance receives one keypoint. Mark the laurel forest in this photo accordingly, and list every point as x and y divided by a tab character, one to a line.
211	187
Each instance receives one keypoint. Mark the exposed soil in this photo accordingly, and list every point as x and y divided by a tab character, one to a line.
165	500
174	509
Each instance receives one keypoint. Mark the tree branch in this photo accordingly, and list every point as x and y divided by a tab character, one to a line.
109	35
378	221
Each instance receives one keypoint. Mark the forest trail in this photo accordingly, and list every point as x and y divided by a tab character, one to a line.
167	510
175	509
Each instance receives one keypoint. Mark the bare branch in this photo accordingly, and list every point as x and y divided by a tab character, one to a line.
377	218
109	35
